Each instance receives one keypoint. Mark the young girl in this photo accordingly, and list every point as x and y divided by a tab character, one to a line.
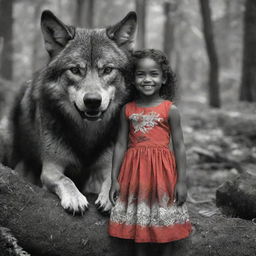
150	154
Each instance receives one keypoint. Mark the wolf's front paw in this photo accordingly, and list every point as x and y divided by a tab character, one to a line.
74	202
103	203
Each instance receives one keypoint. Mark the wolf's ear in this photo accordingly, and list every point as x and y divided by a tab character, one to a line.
123	33
56	34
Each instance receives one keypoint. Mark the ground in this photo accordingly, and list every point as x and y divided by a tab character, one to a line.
218	149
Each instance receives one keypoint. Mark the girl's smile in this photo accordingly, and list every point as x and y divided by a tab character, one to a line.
148	77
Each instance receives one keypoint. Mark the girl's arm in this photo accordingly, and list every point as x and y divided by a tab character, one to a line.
179	153
119	151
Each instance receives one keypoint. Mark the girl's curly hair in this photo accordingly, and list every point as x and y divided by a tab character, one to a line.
168	88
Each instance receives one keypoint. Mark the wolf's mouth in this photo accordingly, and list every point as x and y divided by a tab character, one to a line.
92	115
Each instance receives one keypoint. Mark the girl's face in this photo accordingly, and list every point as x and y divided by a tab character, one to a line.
148	77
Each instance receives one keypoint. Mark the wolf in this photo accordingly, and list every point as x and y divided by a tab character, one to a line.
65	119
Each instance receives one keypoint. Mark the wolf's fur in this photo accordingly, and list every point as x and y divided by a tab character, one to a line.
65	119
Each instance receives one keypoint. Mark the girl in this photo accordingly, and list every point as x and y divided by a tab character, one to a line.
152	179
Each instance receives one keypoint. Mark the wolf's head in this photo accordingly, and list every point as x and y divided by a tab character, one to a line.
88	68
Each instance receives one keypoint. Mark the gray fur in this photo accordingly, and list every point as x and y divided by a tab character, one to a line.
65	119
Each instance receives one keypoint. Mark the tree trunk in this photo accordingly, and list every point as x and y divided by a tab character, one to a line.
141	12
248	88
214	95
226	58
37	40
6	23
168	43
85	13
237	196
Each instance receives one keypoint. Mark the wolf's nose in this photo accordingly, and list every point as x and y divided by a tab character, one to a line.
92	100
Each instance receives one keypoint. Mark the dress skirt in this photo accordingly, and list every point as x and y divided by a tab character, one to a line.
146	210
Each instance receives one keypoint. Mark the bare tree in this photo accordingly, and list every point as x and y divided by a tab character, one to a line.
226	58
214	95
141	12
85	13
37	38
168	44
170	10
6	21
248	88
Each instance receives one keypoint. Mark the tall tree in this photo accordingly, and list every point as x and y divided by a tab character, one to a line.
170	10
169	7
248	81
226	58
37	39
85	13
214	95
141	12
6	28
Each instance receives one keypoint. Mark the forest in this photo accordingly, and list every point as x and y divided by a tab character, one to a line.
210	45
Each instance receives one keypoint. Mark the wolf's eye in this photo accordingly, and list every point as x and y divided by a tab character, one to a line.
107	70
75	70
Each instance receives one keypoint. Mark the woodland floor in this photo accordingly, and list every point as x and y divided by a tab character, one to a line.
215	153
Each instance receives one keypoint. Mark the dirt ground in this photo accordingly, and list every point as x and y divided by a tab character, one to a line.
215	154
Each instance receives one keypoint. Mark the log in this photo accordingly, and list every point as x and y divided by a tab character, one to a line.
237	196
42	228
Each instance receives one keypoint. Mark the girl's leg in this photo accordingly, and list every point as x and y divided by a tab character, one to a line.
141	249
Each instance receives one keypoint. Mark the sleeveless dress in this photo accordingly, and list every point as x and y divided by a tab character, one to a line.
145	209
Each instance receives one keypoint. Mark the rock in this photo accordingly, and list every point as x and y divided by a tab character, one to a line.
237	196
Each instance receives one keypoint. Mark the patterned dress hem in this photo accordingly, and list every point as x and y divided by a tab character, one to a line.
151	234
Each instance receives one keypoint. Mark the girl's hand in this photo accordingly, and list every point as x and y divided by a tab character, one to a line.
114	192
181	193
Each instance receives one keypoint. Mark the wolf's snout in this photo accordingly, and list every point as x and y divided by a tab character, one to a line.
92	100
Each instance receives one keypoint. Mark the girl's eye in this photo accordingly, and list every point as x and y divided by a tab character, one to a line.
75	70
107	70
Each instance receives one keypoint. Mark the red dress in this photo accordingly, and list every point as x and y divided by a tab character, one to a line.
145	209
